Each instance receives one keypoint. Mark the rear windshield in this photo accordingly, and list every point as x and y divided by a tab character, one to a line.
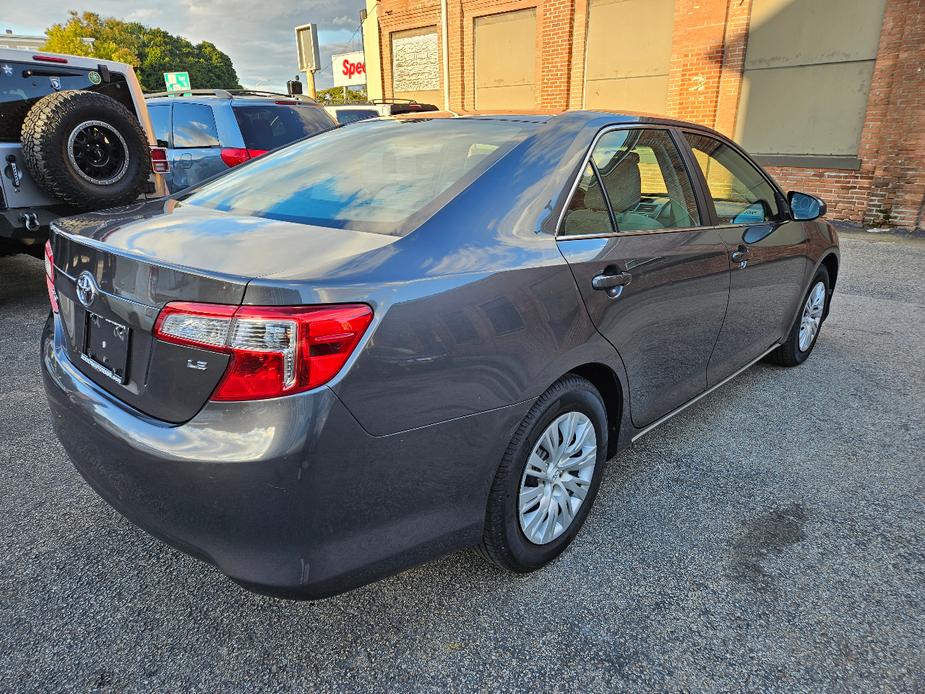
269	126
384	176
345	116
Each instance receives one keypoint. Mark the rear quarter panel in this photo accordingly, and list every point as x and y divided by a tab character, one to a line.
475	310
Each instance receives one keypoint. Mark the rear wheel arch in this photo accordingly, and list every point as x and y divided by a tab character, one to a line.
607	383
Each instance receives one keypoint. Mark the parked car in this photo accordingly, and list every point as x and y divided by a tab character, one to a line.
208	131
74	136
357	111
314	375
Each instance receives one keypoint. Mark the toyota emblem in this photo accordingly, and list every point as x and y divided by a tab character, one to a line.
86	289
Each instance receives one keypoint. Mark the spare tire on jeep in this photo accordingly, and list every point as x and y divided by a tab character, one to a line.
86	149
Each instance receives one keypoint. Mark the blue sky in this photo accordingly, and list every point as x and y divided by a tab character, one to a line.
257	34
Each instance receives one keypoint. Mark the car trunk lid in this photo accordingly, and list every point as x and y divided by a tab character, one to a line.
115	271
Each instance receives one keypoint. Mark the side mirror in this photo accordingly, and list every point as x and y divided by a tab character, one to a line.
805	207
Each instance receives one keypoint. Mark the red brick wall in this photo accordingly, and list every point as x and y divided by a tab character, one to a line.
697	50
708	54
397	15
555	53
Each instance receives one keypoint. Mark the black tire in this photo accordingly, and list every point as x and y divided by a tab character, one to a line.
51	161
503	541
789	353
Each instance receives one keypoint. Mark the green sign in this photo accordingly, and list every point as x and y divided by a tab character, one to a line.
177	81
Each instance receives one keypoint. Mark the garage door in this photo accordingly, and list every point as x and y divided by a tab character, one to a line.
808	72
628	54
505	60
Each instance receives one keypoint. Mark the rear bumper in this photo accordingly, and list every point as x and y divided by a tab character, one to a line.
289	496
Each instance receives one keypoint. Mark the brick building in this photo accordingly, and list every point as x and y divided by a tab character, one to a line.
829	94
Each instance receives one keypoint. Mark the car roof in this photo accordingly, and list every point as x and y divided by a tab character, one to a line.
598	117
242	96
78	61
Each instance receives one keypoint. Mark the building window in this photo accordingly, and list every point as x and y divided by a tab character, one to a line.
628	54
416	65
505	60
808	69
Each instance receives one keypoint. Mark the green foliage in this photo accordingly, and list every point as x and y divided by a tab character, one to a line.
151	51
335	95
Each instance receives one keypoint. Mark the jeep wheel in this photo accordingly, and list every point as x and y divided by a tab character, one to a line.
86	149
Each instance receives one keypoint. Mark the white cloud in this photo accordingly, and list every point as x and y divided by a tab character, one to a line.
259	37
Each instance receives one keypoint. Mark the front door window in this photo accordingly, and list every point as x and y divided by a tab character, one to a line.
739	191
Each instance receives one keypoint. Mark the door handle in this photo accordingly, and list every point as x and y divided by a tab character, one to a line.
611	282
740	255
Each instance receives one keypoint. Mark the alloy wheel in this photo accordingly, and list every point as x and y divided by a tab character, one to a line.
98	152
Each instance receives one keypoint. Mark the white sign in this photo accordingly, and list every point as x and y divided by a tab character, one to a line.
306	40
348	69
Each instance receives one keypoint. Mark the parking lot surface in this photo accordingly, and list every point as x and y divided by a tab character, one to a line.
770	537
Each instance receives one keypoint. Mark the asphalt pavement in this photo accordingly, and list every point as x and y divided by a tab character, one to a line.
772	537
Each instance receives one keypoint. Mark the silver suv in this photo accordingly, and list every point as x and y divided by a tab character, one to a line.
74	136
208	131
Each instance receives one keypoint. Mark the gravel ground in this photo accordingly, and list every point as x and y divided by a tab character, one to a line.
771	537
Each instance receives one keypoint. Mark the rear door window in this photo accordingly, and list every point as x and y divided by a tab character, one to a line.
268	126
640	177
194	126
160	121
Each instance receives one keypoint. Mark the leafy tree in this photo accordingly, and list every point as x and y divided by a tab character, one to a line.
150	50
335	95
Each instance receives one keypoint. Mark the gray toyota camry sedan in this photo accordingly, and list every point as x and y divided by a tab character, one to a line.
394	340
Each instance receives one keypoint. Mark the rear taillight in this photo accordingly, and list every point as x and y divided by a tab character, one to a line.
275	350
233	156
50	276
159	161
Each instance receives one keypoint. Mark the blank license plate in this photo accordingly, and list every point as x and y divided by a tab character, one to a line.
106	346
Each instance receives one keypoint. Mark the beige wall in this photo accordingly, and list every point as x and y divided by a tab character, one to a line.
628	54
808	69
505	60
371	53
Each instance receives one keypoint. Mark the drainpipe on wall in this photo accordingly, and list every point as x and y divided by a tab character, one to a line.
446	56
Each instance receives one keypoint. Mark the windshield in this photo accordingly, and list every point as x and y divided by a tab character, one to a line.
382	176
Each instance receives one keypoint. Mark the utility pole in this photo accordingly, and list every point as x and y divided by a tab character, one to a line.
310	83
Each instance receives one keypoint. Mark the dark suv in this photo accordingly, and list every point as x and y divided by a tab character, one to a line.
207	132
